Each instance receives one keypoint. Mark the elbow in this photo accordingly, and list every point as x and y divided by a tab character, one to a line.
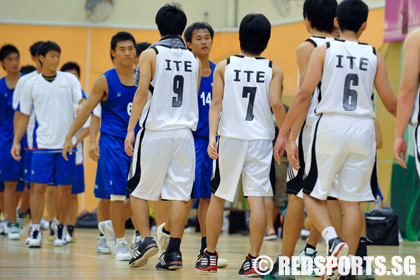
276	105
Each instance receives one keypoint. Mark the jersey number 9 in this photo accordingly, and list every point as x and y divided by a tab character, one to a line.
178	89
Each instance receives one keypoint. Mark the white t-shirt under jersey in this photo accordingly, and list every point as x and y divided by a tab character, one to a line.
53	104
246	111
172	102
348	78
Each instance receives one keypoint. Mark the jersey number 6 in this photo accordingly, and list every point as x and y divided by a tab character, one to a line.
178	88
350	95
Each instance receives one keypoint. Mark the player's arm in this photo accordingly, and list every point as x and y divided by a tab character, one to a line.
95	124
303	55
99	91
407	93
82	135
275	92
216	107
384	87
146	63
302	99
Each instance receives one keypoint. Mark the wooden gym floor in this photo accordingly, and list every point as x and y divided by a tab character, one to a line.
80	260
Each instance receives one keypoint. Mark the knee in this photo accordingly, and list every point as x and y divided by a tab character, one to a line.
66	190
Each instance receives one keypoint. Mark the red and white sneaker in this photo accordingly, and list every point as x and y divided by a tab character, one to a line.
206	262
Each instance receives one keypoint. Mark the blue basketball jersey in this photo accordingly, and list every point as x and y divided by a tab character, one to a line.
7	114
116	110
205	95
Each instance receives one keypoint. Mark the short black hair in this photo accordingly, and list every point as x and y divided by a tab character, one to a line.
141	47
351	14
71	66
34	48
48	46
171	19
321	14
121	36
196	26
27	69
6	50
254	33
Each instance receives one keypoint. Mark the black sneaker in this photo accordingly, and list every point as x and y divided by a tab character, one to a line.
336	247
143	251
206	262
248	268
171	261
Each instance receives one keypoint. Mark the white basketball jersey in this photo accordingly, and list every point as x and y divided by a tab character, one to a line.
347	80
311	118
246	111
172	102
415	116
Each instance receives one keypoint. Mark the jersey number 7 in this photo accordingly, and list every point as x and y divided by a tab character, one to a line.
251	91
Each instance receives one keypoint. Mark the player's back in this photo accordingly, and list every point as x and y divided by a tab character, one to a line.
173	91
116	110
348	78
246	112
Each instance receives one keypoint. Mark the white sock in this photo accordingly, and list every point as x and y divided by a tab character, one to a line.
329	233
120	239
309	251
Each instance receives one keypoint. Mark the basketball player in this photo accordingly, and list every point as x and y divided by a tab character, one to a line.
115	91
319	21
169	81
9	168
247	86
199	39
408	100
29	139
78	186
344	134
140	47
52	96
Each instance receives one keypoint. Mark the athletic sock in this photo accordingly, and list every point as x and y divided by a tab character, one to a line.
210	253
309	249
100	234
251	256
329	233
165	231
119	239
174	245
362	249
203	244
137	233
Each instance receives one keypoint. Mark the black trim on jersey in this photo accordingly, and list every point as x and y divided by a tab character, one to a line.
310	180
134	181
320	93
151	89
374	180
259	57
156	50
270	64
215	181
320	37
295	183
361	43
228	61
374	50
340	40
309	40
239	55
418	115
328	44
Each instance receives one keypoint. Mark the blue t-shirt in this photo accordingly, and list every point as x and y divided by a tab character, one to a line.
205	95
116	110
7	114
